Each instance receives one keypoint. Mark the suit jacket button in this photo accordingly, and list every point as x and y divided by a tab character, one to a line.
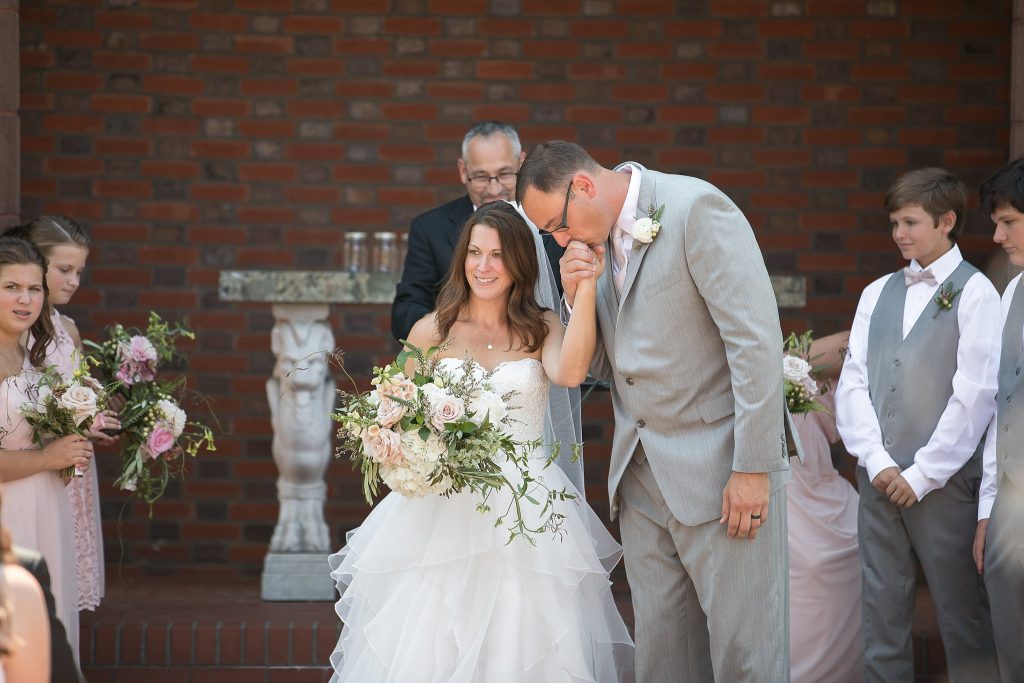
1009	399
1017	371
896	362
629	381
640	424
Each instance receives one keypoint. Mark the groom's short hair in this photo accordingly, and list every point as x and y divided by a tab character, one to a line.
550	165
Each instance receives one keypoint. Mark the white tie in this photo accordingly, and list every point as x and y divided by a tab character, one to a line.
618	258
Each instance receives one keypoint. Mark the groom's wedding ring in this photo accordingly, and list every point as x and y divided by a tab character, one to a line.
755	516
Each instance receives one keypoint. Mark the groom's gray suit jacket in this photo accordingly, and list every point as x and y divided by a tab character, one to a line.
694	351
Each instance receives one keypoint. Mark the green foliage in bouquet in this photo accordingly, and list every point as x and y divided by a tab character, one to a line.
440	433
800	376
129	356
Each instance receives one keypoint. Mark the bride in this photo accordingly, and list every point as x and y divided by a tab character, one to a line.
430	588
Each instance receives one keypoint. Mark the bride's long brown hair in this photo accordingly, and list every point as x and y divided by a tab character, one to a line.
519	255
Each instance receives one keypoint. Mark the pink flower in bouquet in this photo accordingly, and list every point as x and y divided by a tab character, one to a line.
389	412
383	445
160	440
138	361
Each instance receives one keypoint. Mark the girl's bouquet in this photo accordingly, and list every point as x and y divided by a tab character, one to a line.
440	432
58	407
799	375
155	429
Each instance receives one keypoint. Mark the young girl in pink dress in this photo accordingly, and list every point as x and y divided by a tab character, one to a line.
34	506
66	248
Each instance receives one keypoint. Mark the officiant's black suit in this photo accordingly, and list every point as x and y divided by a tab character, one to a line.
432	238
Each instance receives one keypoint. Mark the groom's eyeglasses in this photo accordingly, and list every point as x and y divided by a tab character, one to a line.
564	225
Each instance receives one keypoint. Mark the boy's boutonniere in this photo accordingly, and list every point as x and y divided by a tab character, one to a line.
944	299
646	229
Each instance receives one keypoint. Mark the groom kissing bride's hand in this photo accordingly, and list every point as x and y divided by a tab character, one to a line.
580	262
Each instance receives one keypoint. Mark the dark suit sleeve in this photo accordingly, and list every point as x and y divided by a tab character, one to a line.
414	296
63	667
554	252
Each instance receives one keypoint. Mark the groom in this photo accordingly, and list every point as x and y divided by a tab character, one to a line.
691	343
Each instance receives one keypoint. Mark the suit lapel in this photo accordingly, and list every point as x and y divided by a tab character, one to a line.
461	212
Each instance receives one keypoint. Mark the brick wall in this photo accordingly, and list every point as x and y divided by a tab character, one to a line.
195	135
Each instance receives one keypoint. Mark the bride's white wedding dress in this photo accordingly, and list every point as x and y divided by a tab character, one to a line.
431	590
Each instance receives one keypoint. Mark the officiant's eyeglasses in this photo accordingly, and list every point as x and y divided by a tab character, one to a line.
481	181
564	225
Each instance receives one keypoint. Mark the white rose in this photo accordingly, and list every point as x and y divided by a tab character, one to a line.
173	414
81	401
645	229
795	369
488	405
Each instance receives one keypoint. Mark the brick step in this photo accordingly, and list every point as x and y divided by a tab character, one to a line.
189	630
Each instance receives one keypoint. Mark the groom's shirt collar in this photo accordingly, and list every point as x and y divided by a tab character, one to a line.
628	214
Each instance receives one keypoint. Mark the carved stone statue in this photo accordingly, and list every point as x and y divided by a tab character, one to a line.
301	395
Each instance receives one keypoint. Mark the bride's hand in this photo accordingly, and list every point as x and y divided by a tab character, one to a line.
578	263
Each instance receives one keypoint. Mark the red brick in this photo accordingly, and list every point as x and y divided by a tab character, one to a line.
786	28
313	23
877	157
305	151
318	109
735	50
218	192
266	214
227	107
831	93
89	166
265	45
551	7
221	64
827	177
878	29
220	149
599	71
209	21
266	128
833	49
167	254
372	47
643	50
778	200
783	71
739	8
71	123
312	194
639	92
168	211
780	114
879	71
551	49
69	80
869	115
410	68
829	221
593	114
37	58
458	6
474	91
129	61
173	85
399	25
458	48
735	92
357	173
360	216
133	104
120	232
121	276
130	20
37	101
975	114
737	135
504	70
782	156
268	172
168	125
269	87
316	67
840	137
71	38
511	113
597	28
688	114
506	27
406	152
735	178
183	42
103	189
838	263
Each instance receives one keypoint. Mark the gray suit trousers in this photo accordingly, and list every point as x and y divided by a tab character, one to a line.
939	530
708	607
1004	577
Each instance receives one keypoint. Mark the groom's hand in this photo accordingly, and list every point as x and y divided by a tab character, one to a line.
579	262
745	503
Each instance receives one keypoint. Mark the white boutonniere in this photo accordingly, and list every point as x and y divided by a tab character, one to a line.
646	229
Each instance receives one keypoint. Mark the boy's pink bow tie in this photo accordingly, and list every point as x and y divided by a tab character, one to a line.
911	277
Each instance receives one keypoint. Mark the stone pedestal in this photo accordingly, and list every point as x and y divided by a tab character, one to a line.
301	395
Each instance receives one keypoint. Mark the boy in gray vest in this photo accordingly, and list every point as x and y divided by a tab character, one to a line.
914	398
998	545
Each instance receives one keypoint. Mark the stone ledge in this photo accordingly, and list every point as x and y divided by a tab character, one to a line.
332	287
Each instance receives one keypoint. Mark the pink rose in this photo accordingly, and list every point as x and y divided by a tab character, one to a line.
141	350
160	440
389	412
383	445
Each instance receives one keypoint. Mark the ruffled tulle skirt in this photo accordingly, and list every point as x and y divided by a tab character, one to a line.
432	591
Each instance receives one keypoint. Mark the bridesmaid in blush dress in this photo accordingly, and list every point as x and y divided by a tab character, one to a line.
34	507
824	569
66	248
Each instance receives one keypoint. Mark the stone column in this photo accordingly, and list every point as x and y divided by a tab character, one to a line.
301	394
10	130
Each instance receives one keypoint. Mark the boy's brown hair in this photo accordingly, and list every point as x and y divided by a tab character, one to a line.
935	190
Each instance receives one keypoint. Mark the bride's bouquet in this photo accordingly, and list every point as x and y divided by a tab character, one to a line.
800	376
155	430
440	432
57	406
